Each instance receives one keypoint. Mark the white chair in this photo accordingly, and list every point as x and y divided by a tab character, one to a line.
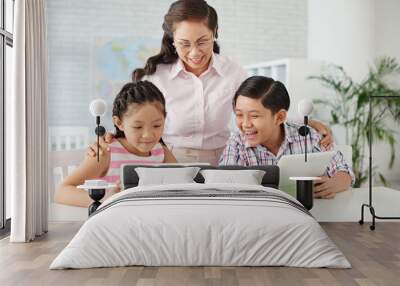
61	164
68	137
67	147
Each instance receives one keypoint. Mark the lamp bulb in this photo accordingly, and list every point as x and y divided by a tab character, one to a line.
98	107
305	107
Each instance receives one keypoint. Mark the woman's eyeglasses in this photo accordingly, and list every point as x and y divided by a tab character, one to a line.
201	45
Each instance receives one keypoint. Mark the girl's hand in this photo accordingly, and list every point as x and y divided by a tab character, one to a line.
117	188
103	145
113	191
327	140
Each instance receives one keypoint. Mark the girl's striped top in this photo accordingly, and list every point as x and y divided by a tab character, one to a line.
120	156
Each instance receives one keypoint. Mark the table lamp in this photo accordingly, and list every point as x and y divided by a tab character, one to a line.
98	108
305	107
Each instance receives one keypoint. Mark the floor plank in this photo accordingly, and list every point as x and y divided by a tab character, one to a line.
374	255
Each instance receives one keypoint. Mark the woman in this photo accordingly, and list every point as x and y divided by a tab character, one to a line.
198	83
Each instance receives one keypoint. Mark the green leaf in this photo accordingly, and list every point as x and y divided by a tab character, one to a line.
383	179
335	119
363	99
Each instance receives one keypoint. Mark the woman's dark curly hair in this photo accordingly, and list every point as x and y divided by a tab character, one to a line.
136	92
181	10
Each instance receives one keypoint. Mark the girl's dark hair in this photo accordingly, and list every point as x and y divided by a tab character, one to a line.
273	94
181	10
136	92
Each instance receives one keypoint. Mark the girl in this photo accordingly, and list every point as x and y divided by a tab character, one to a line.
139	117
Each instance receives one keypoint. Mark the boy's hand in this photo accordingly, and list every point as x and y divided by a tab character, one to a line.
104	147
326	188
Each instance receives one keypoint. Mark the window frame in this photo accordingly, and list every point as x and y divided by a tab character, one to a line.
6	39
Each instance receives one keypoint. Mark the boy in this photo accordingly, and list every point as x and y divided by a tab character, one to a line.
260	105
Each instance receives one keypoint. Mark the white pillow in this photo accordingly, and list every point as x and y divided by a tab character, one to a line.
249	177
164	176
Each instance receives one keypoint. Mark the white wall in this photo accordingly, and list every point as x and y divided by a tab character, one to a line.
387	42
387	23
260	30
341	32
351	33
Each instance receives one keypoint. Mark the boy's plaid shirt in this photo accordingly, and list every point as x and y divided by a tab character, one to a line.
238	152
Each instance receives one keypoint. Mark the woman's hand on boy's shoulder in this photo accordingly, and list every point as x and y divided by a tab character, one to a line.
104	147
327	139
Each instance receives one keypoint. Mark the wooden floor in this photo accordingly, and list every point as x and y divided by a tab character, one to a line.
374	255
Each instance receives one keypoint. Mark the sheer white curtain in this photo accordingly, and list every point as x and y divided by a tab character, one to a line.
28	120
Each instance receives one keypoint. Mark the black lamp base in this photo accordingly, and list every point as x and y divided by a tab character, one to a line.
304	193
305	190
96	195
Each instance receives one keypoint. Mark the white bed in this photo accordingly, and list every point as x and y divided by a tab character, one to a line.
224	225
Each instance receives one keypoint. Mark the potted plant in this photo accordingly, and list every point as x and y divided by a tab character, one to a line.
349	106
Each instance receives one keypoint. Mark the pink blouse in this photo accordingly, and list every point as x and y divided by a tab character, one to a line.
199	109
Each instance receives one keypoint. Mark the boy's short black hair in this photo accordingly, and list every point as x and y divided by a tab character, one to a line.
273	94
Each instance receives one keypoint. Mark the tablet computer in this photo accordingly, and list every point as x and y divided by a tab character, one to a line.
295	166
